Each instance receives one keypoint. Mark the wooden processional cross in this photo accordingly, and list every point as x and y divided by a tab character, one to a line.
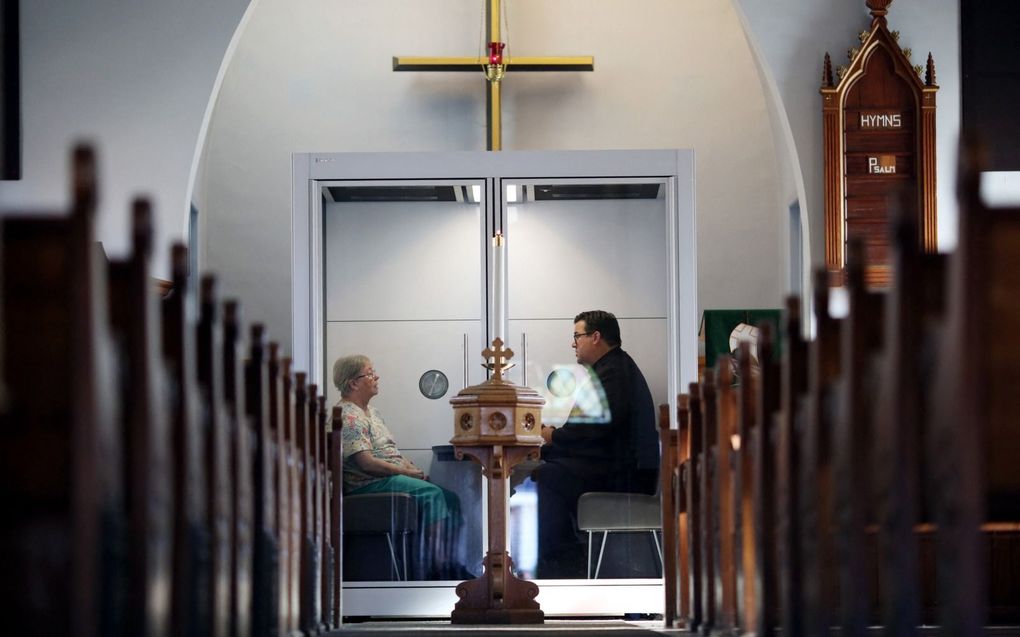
499	355
494	67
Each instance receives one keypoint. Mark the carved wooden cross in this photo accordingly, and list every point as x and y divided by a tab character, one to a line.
499	356
494	66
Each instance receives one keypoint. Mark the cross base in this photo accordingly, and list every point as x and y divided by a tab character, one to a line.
497	616
497	597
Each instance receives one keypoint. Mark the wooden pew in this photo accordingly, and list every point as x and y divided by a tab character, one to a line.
323	528
709	502
913	303
265	602
744	557
191	595
294	494
852	442
667	492
314	415
309	570
974	407
217	438
766	583
281	485
683	457
693	492
724	537
821	591
148	497
62	542
867	448
788	461
242	449
336	519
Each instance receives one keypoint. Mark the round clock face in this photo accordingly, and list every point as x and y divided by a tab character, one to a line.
433	384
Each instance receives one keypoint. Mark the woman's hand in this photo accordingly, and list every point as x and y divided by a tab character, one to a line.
375	467
413	471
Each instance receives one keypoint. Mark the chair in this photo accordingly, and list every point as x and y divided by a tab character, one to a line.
386	514
611	512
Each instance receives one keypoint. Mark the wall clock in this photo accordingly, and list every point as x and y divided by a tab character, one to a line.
433	384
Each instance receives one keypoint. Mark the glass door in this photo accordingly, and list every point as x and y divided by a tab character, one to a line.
575	245
403	287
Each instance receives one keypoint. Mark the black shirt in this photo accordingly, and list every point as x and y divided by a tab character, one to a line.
627	443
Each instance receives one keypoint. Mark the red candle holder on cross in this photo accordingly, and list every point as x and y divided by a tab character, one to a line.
496	52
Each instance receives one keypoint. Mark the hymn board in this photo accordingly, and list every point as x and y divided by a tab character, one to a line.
879	143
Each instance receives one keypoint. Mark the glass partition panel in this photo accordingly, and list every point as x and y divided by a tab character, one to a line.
590	507
404	290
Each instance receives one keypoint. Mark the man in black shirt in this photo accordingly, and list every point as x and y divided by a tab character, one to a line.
616	452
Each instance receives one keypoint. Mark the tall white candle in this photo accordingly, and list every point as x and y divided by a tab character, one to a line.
498	288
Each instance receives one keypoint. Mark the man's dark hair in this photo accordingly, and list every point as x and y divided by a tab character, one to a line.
602	322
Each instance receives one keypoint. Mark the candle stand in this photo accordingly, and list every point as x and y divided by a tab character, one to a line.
497	424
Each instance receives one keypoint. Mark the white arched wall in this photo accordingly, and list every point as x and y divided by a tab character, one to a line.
789	178
133	78
136	80
316	76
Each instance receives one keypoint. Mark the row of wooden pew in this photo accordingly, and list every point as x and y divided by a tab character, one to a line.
162	473
867	477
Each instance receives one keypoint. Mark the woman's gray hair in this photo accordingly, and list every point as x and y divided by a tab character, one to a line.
346	369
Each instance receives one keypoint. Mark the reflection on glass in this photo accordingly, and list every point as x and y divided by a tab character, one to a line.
524	524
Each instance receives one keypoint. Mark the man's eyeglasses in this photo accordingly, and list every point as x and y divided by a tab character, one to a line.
370	373
578	335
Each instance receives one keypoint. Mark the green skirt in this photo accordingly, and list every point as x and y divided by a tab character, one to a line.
434	502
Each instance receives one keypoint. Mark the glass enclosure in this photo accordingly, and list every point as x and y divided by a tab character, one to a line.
398	269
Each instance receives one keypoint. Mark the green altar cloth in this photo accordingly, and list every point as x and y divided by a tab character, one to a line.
716	326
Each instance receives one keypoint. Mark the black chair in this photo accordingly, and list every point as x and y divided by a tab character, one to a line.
386	514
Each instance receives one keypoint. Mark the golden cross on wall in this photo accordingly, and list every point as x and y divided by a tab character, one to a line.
499	356
494	66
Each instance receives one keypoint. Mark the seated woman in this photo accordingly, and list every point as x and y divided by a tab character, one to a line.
373	464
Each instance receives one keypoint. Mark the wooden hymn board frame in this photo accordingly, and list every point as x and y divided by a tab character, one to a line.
879	142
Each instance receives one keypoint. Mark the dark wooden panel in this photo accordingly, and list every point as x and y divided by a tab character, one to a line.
147	469
10	90
882	186
61	543
880	87
874	141
991	78
191	597
1003	371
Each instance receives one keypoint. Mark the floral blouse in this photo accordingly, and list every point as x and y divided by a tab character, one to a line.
361	431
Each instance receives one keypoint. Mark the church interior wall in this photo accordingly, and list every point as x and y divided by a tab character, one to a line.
674	75
136	78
